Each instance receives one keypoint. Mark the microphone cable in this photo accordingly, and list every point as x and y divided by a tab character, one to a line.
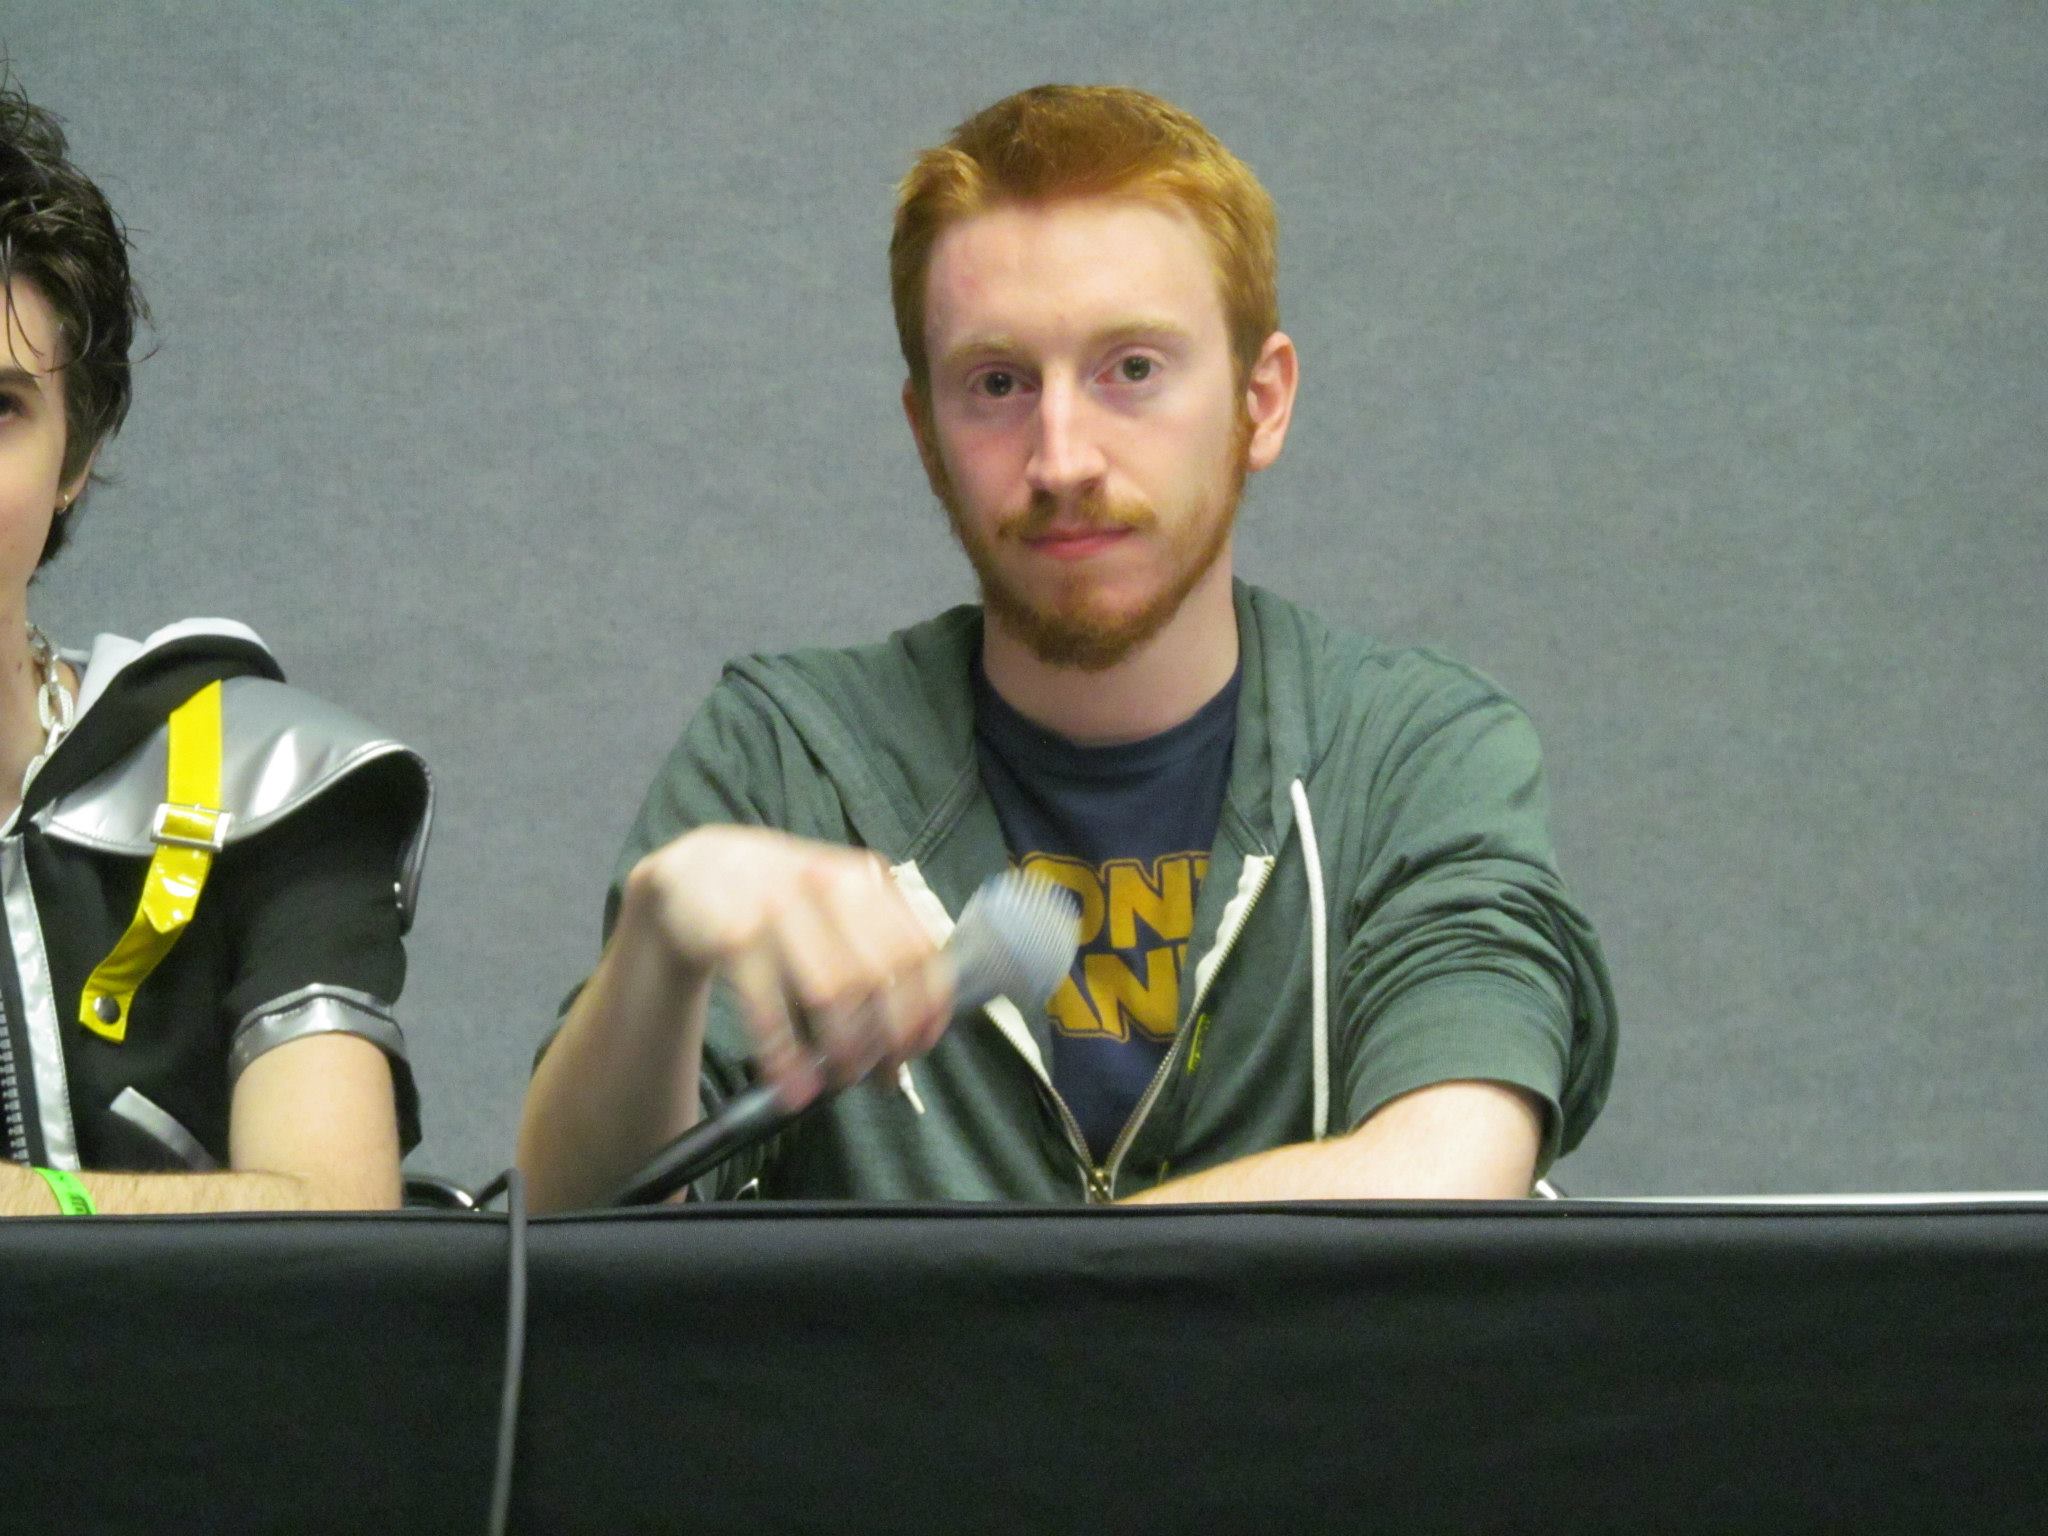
492	1190
514	1186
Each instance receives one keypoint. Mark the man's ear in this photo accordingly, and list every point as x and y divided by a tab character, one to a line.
1269	399
921	433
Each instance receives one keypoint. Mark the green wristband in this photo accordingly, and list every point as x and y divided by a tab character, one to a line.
72	1198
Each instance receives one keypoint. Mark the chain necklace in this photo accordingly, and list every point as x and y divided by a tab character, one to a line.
54	705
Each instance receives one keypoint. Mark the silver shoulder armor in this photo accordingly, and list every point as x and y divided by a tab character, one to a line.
281	749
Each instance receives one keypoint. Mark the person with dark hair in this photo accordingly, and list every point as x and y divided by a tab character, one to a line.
1325	951
205	875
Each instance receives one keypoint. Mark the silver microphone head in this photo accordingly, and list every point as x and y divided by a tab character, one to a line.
1016	938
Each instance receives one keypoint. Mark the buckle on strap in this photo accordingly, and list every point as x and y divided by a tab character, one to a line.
188	833
191	826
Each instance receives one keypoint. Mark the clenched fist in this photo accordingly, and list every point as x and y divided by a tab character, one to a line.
836	977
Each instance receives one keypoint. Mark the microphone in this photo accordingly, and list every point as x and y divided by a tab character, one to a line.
1015	938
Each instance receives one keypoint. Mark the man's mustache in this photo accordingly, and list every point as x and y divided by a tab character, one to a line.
1092	513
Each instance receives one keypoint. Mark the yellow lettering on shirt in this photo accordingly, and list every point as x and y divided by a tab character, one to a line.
1073	1015
1152	1006
1139	921
1164	900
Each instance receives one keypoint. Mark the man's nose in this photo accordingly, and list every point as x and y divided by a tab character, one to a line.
1066	457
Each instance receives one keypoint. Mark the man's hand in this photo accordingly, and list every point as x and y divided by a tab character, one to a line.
836	977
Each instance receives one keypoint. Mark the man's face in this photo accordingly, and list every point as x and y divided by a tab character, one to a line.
1086	432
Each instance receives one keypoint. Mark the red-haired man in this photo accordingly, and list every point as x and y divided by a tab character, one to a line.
1325	951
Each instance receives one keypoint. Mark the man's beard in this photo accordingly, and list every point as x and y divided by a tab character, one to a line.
1066	628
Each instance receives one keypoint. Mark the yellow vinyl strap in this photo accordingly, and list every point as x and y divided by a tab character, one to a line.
190	828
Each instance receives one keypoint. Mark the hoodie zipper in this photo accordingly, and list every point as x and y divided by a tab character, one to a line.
1102	1180
1094	1182
1098	1180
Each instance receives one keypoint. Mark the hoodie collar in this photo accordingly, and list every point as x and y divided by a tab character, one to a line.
1275	732
894	722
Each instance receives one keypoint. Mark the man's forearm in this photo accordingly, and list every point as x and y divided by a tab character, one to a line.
23	1192
617	1083
1450	1141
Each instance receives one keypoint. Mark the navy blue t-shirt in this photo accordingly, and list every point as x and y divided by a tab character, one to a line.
1127	829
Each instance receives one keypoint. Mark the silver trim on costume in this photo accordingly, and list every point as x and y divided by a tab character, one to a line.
110	655
39	1010
314	1010
281	749
163	1128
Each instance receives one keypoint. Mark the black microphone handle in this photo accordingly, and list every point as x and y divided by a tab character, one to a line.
746	1119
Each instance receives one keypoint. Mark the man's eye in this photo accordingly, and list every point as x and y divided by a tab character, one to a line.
998	385
1135	370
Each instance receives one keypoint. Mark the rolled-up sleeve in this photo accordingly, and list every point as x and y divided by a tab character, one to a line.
1465	957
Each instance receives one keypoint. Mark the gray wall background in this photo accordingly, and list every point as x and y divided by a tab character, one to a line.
1682	366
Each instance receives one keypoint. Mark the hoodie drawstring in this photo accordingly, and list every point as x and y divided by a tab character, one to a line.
1319	963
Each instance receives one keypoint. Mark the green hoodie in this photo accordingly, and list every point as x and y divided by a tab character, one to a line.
1443	939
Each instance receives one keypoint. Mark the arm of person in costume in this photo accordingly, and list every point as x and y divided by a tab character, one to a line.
312	1129
23	1193
315	1119
1473	1023
820	951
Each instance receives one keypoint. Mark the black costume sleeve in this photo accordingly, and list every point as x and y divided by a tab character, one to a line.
317	929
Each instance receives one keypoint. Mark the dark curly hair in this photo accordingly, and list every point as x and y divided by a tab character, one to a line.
58	232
